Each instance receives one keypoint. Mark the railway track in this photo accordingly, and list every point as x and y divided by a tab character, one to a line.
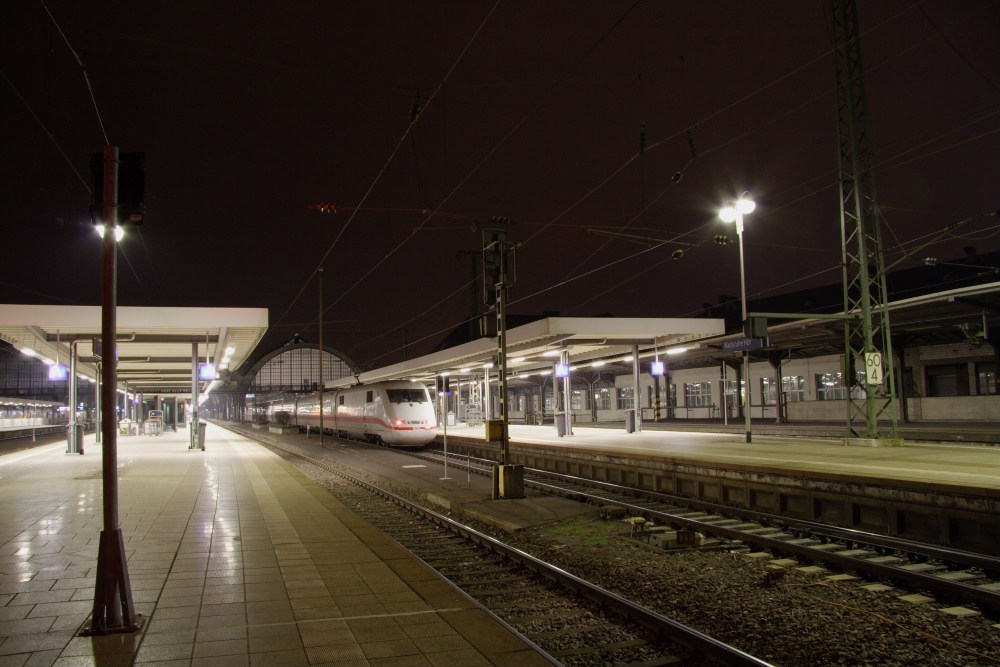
570	620
958	577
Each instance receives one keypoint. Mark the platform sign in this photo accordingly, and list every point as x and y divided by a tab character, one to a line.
741	344
873	367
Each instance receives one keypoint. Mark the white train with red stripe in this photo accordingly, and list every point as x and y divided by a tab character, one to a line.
396	413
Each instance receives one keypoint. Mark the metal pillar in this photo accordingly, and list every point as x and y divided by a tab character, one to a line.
319	277
98	403
637	397
866	334
745	374
113	609
75	442
193	420
508	479
567	396
502	361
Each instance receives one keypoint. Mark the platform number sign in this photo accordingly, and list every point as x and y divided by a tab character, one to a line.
873	367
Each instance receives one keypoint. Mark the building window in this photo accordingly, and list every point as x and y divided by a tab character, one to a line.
986	378
697	394
768	391
947	380
298	370
793	387
602	398
578	399
626	398
830	387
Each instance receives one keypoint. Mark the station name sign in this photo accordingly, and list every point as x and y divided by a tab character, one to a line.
741	344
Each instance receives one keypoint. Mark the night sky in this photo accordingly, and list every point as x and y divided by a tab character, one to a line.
600	129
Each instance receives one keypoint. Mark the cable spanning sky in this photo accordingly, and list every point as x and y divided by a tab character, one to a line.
377	140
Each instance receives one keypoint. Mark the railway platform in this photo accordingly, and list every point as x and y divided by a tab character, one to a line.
234	557
944	493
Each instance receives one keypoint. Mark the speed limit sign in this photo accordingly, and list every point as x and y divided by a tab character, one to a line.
873	367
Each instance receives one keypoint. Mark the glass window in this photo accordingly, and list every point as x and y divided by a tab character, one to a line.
413	395
986	378
830	387
947	380
602	398
698	394
768	391
794	388
298	370
578	399
626	398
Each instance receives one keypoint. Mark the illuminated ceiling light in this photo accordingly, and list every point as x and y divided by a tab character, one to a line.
597	364
464	370
551	353
628	359
677	350
444	374
230	350
517	360
488	365
545	373
28	351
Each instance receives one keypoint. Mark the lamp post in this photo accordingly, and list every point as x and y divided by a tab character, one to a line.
734	212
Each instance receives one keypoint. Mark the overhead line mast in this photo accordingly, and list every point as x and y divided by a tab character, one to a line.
866	329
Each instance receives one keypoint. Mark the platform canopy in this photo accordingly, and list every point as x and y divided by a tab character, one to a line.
535	347
156	346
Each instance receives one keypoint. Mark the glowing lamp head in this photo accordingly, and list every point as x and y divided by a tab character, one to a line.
743	206
119	232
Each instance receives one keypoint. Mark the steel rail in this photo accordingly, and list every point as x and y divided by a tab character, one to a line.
718	651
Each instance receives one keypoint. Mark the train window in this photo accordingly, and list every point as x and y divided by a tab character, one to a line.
369	396
340	400
406	395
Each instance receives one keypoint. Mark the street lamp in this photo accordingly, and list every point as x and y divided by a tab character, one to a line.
734	213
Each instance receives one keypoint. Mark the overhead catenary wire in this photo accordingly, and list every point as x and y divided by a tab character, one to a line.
414	120
479	164
83	70
686	131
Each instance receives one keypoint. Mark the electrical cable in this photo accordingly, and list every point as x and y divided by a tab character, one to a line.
83	70
386	164
46	131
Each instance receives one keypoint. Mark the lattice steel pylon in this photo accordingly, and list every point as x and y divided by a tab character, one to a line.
866	330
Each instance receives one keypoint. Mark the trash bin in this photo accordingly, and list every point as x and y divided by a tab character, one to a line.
494	430
630	421
201	435
560	418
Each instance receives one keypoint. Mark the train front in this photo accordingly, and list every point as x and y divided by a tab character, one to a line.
410	412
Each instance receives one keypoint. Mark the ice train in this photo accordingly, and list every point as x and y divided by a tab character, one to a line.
399	413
